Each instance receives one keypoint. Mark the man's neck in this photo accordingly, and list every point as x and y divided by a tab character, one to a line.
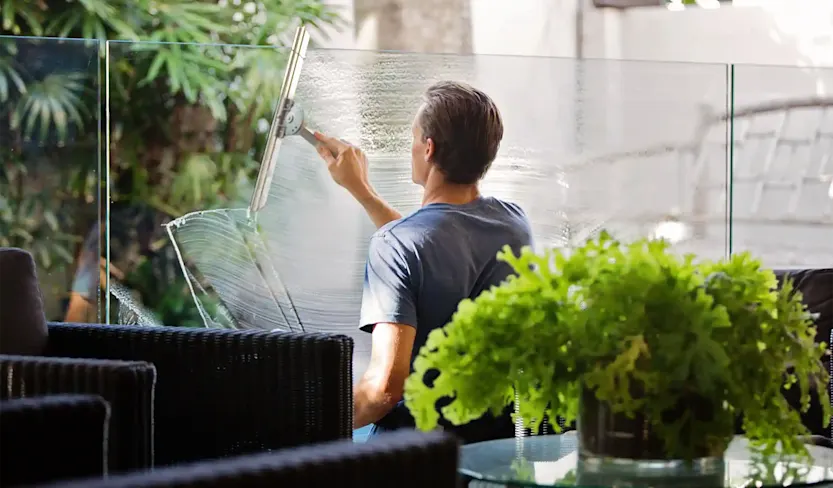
441	192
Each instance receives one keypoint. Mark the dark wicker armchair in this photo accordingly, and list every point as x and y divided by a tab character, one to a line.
223	392
53	438
405	459
126	385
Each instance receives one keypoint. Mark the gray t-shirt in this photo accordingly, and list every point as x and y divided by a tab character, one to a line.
420	267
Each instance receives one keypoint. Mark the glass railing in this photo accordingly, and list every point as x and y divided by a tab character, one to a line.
589	145
638	148
50	168
782	165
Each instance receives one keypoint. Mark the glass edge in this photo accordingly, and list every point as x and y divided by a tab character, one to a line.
106	164
730	158
100	190
312	49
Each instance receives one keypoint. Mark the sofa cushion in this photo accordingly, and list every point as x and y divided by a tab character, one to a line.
22	321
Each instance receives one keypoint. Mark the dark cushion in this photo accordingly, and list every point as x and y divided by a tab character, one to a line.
22	322
816	288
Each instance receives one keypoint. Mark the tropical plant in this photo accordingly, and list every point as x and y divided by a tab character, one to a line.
192	88
643	330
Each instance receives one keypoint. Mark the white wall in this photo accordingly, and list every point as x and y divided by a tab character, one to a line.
791	33
782	32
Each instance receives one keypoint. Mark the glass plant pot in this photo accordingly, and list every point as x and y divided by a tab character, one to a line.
617	450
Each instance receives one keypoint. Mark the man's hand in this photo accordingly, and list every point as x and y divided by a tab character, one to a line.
347	165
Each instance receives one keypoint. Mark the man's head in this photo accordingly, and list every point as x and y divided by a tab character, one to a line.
457	132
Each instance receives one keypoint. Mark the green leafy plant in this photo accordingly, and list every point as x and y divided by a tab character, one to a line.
192	88
619	318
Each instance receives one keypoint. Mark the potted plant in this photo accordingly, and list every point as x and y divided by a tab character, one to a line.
656	356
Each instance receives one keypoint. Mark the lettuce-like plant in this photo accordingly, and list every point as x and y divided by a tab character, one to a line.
619	318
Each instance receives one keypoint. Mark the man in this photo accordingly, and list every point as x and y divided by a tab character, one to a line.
421	266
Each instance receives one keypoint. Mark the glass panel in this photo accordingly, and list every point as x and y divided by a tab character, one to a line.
588	145
50	167
782	202
186	132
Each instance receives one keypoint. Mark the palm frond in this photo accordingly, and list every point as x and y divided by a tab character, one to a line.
99	20
53	102
31	13
10	78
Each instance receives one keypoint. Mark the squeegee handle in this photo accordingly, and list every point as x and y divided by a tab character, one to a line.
308	135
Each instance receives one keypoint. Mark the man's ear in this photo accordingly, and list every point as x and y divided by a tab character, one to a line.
429	149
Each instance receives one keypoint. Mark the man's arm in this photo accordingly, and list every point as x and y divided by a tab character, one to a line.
348	167
379	211
389	312
382	385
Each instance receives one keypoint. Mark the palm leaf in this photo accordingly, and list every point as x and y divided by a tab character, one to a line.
32	14
95	21
261	74
194	70
9	76
55	101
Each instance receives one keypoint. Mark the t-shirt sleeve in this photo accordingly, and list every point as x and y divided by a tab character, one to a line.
388	294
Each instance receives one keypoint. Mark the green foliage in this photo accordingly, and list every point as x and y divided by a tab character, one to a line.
167	300
27	221
190	88
620	319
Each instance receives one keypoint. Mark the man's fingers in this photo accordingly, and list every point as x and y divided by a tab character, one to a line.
334	144
325	153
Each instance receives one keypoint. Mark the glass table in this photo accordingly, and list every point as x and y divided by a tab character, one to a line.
552	460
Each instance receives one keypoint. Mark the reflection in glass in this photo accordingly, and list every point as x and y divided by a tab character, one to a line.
782	205
185	131
49	167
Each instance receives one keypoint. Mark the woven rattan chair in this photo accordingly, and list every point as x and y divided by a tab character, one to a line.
223	392
126	385
405	459
53	438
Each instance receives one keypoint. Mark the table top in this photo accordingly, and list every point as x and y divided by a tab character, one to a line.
551	460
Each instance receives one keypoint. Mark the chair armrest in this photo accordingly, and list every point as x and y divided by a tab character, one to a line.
68	432
405	459
126	385
224	392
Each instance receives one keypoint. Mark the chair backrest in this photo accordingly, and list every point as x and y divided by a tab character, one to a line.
405	459
222	392
22	322
53	438
128	386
